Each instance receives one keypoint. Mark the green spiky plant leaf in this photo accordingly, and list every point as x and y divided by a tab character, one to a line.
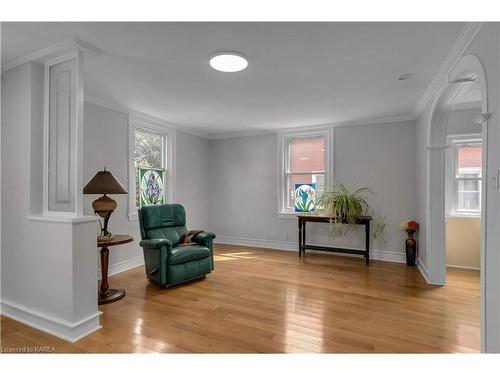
380	224
343	207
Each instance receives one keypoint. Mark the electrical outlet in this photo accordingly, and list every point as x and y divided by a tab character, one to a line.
284	236
494	180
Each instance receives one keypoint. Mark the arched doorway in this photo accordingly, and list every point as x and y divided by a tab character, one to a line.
469	68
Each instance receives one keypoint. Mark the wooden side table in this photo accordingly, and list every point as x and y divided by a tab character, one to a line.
107	295
362	220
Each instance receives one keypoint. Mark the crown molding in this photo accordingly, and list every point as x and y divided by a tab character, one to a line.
243	133
344	124
63	47
460	46
372	121
313	127
132	112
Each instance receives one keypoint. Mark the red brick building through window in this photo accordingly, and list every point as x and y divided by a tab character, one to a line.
468	176
306	164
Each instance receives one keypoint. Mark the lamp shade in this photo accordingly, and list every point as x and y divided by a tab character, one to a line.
104	182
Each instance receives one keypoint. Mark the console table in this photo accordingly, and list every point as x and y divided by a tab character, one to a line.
303	218
107	295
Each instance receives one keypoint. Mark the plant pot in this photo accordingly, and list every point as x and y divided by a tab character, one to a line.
411	249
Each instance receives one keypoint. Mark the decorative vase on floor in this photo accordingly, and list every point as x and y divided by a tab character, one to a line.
411	249
410	226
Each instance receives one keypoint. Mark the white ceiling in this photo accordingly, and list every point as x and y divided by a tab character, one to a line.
299	73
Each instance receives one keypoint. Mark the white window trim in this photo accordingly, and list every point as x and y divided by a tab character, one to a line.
283	137
451	141
170	133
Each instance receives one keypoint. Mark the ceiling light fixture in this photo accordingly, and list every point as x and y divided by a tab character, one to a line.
228	62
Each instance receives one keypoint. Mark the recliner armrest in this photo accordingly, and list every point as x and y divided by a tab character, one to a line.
203	238
156	243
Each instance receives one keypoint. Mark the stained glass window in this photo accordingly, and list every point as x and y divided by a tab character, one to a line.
149	163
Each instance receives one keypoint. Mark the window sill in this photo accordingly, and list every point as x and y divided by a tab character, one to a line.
464	216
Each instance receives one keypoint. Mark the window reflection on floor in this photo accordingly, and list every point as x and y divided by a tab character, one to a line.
306	314
233	256
138	326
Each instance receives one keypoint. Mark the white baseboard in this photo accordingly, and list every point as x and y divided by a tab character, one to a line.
64	329
120	267
252	242
69	331
427	276
423	271
463	267
388	256
384	255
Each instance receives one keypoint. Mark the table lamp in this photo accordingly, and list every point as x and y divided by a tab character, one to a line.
104	182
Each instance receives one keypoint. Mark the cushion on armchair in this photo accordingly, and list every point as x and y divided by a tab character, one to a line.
185	254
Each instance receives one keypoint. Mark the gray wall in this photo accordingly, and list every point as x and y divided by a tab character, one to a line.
106	145
16	128
243	182
193	174
244	185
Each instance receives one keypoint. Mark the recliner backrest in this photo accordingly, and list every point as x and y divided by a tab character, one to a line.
162	221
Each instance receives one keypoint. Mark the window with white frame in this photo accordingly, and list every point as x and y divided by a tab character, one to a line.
304	159
465	177
150	167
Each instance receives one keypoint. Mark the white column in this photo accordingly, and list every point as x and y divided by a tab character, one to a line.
49	252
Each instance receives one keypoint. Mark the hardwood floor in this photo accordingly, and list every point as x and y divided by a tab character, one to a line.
267	301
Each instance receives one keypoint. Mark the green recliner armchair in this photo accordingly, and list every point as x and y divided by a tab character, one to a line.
166	264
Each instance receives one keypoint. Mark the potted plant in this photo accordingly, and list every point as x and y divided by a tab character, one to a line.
410	226
343	207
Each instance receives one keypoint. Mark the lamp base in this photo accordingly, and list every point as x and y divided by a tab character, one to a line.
104	207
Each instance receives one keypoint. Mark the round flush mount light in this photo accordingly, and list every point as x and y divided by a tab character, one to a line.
228	62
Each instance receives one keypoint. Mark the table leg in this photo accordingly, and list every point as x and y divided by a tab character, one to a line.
367	242
300	237
107	295
104	288
303	237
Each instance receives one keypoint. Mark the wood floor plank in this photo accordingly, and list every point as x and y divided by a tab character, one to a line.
268	301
